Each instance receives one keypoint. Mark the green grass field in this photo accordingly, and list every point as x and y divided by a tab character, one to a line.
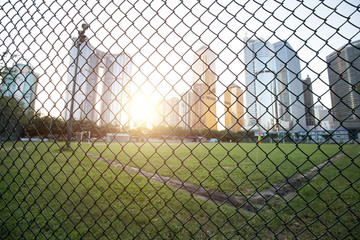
51	194
229	167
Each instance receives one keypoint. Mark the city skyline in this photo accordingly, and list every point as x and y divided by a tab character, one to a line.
166	53
204	83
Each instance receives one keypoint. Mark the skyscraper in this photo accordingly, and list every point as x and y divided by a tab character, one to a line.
115	96
185	109
323	117
260	80
102	89
21	84
344	80
171	113
203	96
309	103
234	108
289	88
274	97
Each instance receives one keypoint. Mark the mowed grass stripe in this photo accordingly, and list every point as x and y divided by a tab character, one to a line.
239	169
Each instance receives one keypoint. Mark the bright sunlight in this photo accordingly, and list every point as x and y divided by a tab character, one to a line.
143	111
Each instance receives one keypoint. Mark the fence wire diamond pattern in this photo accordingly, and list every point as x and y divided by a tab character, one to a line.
179	119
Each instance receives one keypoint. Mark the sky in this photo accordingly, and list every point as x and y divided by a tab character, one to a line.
162	36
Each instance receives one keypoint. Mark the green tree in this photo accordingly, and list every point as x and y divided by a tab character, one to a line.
13	109
45	127
13	117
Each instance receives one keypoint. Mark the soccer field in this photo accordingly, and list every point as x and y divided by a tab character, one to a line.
232	168
48	193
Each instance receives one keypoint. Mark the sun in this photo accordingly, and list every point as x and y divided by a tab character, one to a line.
143	109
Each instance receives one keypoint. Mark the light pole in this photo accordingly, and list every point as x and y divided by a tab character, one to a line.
80	40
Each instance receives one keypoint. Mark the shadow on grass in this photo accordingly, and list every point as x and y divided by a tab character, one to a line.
64	148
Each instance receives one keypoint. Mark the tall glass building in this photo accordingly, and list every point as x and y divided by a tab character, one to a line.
203	97
21	84
290	98
260	82
344	80
102	88
274	98
309	103
234	108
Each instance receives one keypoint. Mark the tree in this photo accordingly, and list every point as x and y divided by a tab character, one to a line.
12	118
45	127
12	109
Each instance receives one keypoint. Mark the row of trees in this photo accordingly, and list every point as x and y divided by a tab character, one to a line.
18	121
222	135
57	128
30	124
50	127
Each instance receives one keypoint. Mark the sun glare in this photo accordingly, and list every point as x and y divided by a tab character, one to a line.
143	110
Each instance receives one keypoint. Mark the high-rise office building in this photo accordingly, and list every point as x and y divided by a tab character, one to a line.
203	95
289	88
344	80
260	82
309	103
323	117
234	109
87	89
185	109
274	98
171	112
102	89
21	83
167	113
116	90
154	114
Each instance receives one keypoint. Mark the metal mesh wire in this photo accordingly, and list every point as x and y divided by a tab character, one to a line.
179	119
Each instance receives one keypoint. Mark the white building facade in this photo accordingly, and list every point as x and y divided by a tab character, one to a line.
260	80
274	97
102	86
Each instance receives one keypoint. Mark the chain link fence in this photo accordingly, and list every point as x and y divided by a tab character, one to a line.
179	119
